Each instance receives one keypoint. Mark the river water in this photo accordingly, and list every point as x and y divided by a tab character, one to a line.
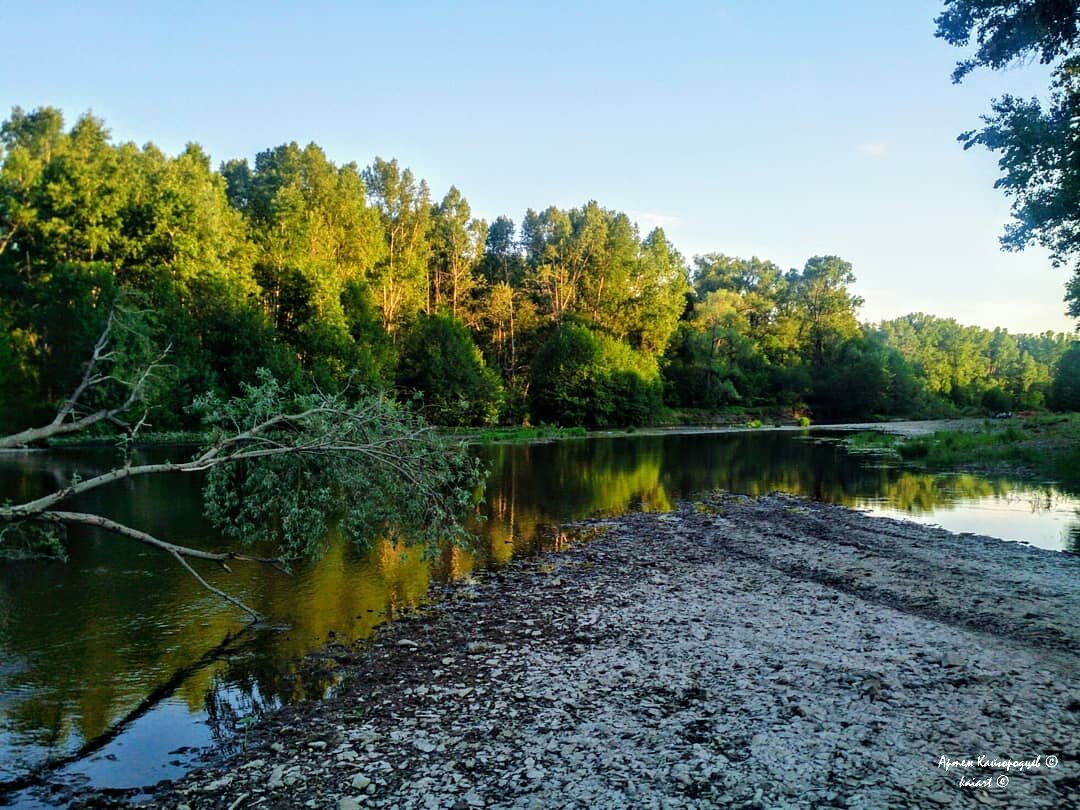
121	663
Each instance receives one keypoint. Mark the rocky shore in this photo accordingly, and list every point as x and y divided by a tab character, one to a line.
770	652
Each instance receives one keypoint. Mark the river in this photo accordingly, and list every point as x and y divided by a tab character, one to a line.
121	663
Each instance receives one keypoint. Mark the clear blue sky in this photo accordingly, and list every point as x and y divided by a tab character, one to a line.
782	129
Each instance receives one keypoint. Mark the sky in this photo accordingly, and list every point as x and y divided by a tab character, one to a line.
782	130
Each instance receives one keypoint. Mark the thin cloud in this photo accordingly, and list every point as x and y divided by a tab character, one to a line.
874	150
655	220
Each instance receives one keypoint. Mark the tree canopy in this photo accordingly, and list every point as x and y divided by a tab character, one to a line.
333	276
1039	143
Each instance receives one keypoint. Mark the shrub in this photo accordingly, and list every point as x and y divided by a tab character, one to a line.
580	377
1065	389
440	362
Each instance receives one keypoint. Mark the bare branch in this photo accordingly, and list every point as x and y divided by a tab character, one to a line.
7	238
65	421
90	519
255	615
181	553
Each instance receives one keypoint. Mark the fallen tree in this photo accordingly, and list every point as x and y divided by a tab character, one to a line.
279	467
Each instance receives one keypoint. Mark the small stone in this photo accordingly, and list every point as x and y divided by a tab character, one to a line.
951	659
348	803
360	782
407	642
317	745
218	784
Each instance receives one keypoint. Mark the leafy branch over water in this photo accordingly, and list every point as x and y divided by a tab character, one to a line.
280	467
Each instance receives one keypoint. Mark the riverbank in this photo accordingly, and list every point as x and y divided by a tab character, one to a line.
768	652
1045	446
714	423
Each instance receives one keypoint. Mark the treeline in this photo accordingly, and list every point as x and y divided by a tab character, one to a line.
756	335
332	275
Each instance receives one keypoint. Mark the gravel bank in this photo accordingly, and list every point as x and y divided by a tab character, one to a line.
769	652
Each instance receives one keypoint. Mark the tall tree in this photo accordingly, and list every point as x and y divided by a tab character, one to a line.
457	246
821	305
1039	144
401	274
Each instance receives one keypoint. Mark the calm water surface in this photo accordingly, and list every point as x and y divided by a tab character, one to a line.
121	662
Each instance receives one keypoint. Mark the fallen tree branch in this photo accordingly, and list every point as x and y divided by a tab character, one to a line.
177	551
66	419
278	466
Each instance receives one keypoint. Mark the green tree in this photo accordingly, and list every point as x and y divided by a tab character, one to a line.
440	361
316	235
401	273
1039	144
457	246
580	377
1065	391
820	304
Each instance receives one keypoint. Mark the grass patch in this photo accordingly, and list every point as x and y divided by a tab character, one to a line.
872	441
494	435
1047	445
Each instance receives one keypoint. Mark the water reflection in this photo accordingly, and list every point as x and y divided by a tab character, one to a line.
83	644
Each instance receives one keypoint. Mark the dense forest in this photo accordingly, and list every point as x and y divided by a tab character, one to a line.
335	275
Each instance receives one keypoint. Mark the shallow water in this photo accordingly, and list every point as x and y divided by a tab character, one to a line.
122	657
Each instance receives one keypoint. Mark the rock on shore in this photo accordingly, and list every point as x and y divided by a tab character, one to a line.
768	652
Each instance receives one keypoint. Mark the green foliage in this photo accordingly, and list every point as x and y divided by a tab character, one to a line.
1065	391
326	273
564	378
872	441
582	377
1047	445
26	540
513	435
1038	144
373	465
941	362
440	362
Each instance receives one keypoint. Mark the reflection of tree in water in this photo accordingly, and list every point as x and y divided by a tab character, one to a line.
922	492
1072	540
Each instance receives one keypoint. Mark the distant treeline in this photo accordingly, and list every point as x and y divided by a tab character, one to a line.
331	275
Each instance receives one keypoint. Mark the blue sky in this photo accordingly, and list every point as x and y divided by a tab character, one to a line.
782	129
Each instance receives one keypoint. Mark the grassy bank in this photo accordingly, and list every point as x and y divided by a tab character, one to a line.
513	434
1047	446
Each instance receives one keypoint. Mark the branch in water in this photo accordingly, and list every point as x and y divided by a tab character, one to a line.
177	551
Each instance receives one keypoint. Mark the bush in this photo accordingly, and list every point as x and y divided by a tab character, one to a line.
583	378
1065	389
996	400
440	362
